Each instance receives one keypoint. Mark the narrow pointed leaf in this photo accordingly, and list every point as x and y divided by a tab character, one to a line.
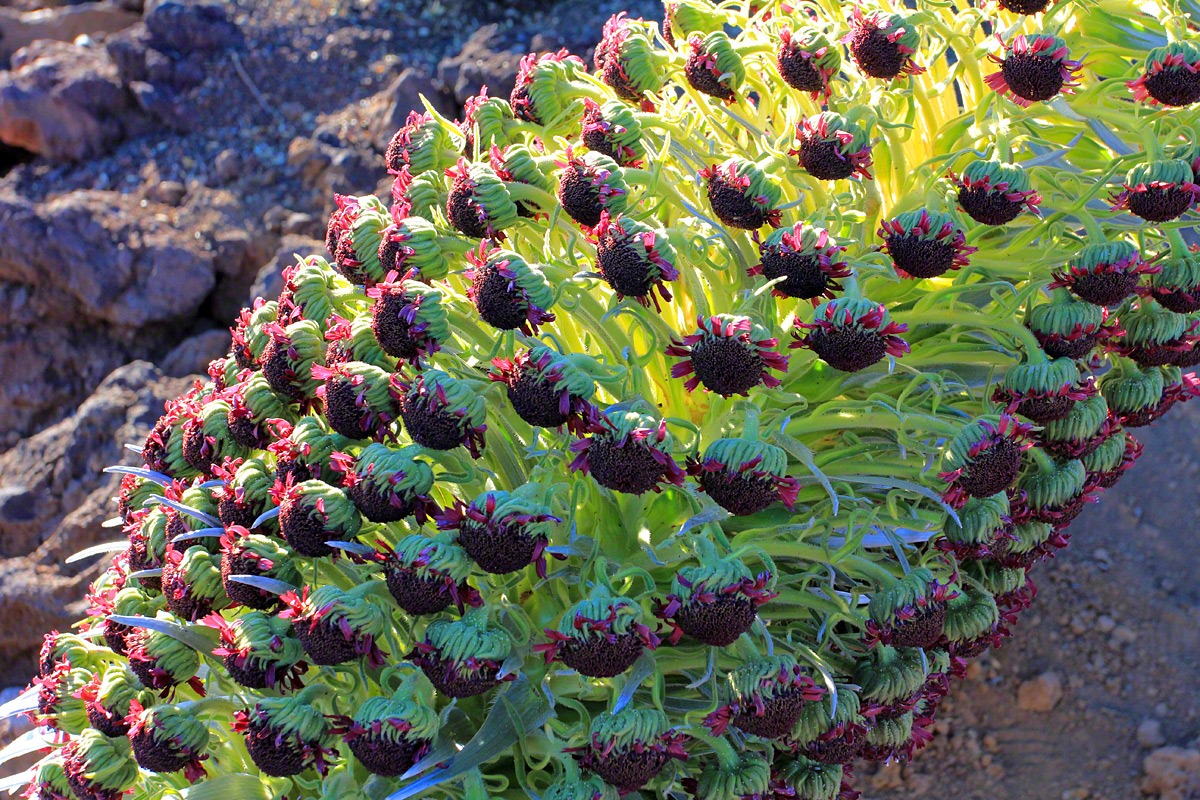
189	635
642	668
266	515
97	550
140	472
207	519
25	701
263	582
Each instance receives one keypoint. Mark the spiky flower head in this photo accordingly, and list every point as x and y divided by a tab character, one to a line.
801	261
427	574
1104	273
613	130
807	61
98	767
742	194
522	163
627	60
630	453
260	651
465	657
312	513
769	694
983	527
540	95
590	185
302	449
801	778
390	734
1177	285
891	677
148	546
1068	327
60	704
336	626
418	196
1112	459
355	231
1055	491
508	292
994	192
353	340
728	354
442	412
289	357
1043	391
972	621
169	738
851	334
160	661
1139	396
548	390
479	204
251	403
358	398
748	778
1171	76
208	439
128	601
910	612
286	735
249	333
833	147
191	581
713	66
883	44
600	636
924	243
744	476
387	484
685	17
423	144
50	782
1034	68
1158	191
830	731
252	554
716	600
983	458
1155	336
408	317
69	648
629	748
415	248
503	531
486	122
634	259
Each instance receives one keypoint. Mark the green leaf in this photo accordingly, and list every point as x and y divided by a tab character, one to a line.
187	635
227	787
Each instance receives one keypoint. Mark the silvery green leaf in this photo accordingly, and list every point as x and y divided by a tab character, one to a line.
97	550
207	519
642	668
140	472
28	742
201	533
263	582
25	701
266	515
186	635
519	709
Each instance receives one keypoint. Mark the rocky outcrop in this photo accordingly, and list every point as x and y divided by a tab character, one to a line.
54	498
65	102
21	28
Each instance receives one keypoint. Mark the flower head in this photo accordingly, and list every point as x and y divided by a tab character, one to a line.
742	195
443	413
807	61
883	44
728	355
769	694
715	601
428	574
286	735
600	636
984	458
422	145
539	95
503	531
744	476
590	185
851	334
509	293
626	58
336	626
910	612
1104	273
1171	76
924	244
1034	68
1158	191
390	734
98	767
713	67
630	453
548	389
1043	391
832	147
465	657
246	554
168	738
312	513
613	130
479	204
628	748
995	193
260	651
634	259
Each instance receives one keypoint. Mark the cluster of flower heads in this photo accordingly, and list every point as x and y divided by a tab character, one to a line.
520	493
